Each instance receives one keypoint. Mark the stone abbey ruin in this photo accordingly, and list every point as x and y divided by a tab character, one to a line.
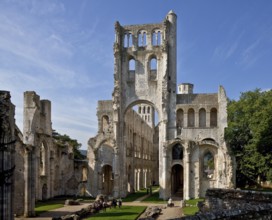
153	131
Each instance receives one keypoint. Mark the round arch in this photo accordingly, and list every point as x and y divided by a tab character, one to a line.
143	101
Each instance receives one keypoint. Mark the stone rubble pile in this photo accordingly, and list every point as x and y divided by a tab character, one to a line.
152	213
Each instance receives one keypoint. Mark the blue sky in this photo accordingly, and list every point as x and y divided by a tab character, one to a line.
62	49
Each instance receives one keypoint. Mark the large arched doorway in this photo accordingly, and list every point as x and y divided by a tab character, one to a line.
177	180
107	180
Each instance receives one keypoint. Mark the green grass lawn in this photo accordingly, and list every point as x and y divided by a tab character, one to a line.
132	197
192	208
41	207
154	198
124	213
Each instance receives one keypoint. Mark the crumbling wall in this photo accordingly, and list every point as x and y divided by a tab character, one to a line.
7	145
234	204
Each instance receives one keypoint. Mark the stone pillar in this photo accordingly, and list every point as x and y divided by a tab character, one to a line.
186	173
7	149
208	119
29	206
196	119
185	119
117	182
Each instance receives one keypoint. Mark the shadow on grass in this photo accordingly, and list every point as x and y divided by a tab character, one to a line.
132	197
154	198
124	213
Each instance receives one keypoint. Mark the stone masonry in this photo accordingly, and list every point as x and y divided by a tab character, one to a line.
7	145
185	151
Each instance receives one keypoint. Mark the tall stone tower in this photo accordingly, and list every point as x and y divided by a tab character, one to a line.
147	113
145	72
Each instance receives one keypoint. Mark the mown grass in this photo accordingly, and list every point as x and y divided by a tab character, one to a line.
132	197
124	213
154	198
191	206
41	207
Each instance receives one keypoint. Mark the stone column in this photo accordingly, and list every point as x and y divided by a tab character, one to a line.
116	186
29	206
7	149
208	119
187	173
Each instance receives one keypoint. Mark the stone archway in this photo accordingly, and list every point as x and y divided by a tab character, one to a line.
177	180
107	180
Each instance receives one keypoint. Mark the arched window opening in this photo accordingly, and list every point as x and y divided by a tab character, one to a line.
153	64
179	122
156	38
213	117
202	118
142	39
208	165
127	40
191	117
159	38
140	109
105	123
177	152
144	110
148	110
132	65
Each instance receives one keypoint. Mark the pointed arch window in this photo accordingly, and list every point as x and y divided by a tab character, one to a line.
202	118
213	117
208	165
191	118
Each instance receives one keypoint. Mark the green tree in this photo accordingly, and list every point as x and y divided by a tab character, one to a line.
64	140
249	134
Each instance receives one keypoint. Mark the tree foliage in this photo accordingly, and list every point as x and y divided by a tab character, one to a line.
249	134
64	140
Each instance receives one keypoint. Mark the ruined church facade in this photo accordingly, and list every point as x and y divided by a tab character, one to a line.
184	151
44	168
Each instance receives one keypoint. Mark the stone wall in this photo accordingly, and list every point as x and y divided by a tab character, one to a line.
7	145
235	204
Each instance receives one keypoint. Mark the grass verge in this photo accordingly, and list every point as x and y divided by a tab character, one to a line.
124	213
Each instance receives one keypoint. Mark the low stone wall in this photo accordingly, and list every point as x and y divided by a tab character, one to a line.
234	204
